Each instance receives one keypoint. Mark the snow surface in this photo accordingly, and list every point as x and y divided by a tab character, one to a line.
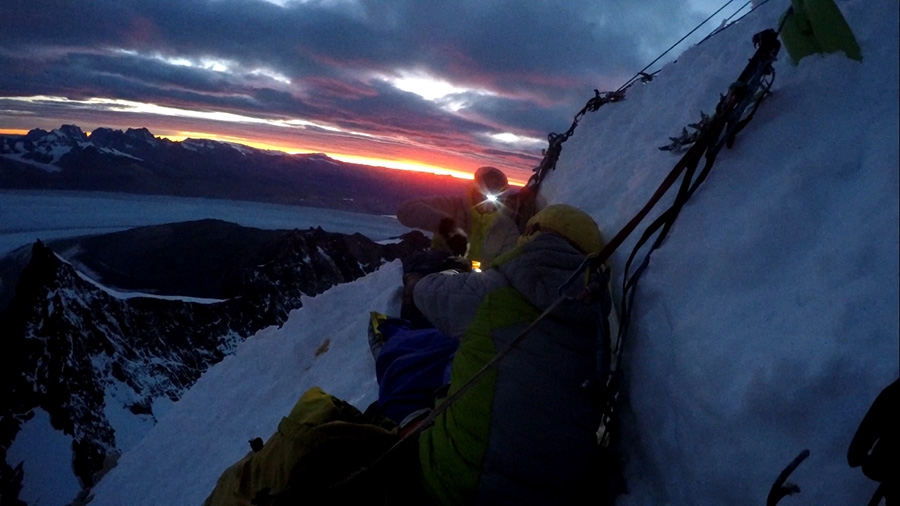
324	343
765	324
40	446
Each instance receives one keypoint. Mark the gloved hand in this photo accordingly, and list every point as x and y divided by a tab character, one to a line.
458	242
453	237
446	226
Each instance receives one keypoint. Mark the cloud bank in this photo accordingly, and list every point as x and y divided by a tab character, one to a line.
459	84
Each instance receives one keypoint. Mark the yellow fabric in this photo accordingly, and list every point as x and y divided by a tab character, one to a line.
570	222
321	441
375	320
481	224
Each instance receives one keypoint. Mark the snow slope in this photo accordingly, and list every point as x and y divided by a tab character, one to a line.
768	320
324	343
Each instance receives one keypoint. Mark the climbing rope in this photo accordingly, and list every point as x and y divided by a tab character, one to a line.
735	109
555	140
727	23
673	46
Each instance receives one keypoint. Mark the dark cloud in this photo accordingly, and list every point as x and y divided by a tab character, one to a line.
539	61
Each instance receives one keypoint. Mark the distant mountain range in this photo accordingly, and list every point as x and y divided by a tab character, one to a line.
134	161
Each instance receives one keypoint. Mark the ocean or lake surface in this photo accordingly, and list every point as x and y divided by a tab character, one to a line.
27	215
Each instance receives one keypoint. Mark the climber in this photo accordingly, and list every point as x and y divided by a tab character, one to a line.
412	358
485	215
525	432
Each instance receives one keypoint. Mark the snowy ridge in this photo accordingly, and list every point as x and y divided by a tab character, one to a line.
19	156
114	152
131	295
46	152
266	376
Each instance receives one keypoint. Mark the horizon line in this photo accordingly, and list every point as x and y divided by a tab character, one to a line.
393	164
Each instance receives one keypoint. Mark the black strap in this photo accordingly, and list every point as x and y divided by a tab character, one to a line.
744	95
782	487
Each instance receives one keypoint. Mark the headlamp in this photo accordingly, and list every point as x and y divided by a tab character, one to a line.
493	199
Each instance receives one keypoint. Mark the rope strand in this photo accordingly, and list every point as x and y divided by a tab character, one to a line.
731	23
555	141
673	46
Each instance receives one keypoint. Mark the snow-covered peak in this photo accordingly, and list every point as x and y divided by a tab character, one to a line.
66	133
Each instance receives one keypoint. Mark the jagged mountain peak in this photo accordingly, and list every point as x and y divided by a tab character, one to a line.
142	134
35	134
71	133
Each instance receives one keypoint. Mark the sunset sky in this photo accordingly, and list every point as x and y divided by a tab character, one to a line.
449	85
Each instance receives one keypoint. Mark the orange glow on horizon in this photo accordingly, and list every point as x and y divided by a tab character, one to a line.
402	164
412	165
182	135
12	131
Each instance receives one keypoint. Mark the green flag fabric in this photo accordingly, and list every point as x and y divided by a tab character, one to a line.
817	26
